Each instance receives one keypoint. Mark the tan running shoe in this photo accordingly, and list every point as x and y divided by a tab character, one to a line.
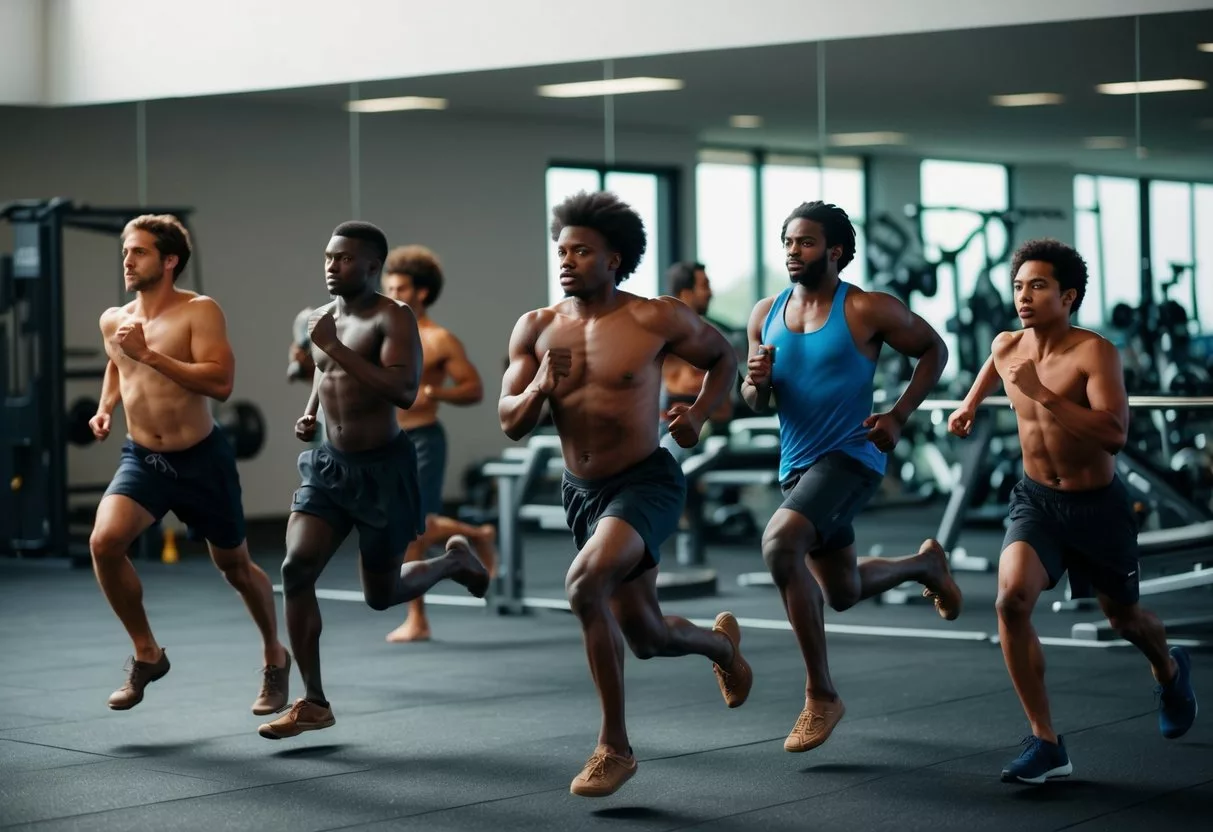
303	716
814	725
736	681
141	674
275	686
603	774
942	587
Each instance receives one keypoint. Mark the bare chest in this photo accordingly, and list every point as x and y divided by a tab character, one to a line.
363	336
605	356
167	334
1060	376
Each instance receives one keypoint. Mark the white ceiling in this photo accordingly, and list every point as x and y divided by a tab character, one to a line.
934	87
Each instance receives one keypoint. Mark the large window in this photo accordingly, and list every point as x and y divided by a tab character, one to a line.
1181	225
649	193
952	195
1107	232
742	200
1203	200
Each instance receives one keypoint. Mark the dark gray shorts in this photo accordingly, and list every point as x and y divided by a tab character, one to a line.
829	493
430	442
649	497
375	491
1092	534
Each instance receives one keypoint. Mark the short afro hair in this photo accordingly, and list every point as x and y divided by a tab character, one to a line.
833	220
367	233
421	266
1069	269
611	217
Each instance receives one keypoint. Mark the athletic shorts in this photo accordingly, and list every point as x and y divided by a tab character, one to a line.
830	493
199	484
375	491
430	444
1092	534
649	497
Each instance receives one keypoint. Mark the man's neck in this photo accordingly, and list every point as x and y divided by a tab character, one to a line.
1047	340
160	297
816	294
356	303
597	304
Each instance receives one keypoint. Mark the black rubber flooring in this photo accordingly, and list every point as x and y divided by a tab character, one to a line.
484	727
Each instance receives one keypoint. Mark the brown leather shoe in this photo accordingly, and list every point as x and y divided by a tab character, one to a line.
814	725
604	774
303	716
141	674
275	686
736	680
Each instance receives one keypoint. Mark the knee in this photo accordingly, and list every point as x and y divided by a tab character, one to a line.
841	598
1013	604
235	568
781	554
643	645
376	600
584	590
106	545
1126	622
297	574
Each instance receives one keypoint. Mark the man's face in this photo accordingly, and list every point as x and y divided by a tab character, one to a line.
399	287
587	263
142	265
700	297
347	267
808	259
1039	300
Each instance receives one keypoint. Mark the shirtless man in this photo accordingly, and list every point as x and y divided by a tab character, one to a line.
1070	511
682	381
413	276
364	475
168	353
595	358
814	346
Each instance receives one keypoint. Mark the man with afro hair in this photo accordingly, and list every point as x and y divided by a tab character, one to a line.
595	359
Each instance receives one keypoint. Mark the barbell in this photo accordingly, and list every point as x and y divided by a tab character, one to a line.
241	421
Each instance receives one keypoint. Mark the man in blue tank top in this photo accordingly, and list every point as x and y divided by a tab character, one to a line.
814	346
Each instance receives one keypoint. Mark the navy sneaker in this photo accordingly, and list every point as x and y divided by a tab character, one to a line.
1040	761
1177	700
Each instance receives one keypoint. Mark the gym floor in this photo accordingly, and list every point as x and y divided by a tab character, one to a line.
484	727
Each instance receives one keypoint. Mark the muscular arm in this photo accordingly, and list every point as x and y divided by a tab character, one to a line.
398	374
1106	421
910	335
758	399
701	345
213	369
466	387
987	380
111	391
313	399
521	403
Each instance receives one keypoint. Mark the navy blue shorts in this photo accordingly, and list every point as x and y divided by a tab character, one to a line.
1092	534
375	491
649	497
829	493
199	484
430	444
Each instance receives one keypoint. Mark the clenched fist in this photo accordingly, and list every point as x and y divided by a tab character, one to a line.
100	426
758	366
305	428
556	364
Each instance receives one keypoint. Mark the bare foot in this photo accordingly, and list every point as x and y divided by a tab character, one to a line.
486	548
472	573
410	630
939	585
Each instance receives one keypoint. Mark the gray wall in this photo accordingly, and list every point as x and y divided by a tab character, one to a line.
269	183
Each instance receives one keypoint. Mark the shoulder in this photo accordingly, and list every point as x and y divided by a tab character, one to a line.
530	324
446	341
1095	346
201	306
663	314
876	304
761	309
111	317
1004	342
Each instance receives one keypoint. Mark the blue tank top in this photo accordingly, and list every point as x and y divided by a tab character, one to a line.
823	389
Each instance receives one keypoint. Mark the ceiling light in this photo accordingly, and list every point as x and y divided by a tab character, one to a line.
1105	142
1027	99
1205	47
867	139
614	86
1166	85
387	105
745	121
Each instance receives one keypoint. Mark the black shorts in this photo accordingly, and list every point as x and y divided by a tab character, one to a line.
430	444
375	491
829	493
1093	534
199	484
649	497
